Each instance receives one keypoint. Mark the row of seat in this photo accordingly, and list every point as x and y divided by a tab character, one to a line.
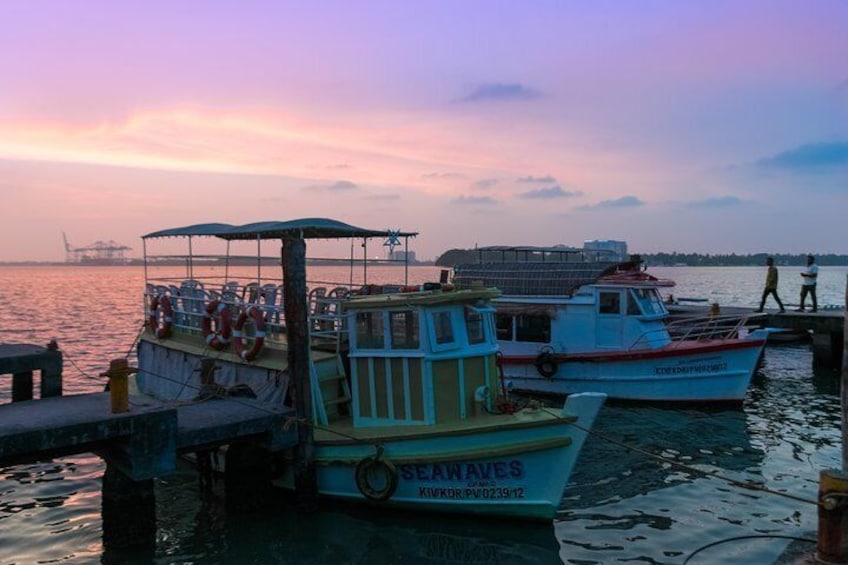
190	298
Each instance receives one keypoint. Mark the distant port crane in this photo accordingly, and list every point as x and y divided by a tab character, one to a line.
100	252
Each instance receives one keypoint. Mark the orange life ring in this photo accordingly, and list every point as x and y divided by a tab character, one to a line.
220	338
254	313
162	303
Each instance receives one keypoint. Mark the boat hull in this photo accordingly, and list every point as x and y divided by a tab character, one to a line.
518	470
709	371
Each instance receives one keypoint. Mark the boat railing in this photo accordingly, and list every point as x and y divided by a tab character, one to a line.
678	331
721	326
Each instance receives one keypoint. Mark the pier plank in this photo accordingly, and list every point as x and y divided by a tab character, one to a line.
143	442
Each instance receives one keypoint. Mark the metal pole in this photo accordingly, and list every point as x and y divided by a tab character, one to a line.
258	261
406	260
227	264
190	260
364	260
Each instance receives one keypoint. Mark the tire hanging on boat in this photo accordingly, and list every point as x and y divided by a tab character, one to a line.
546	364
239	339
220	338
163	303
376	478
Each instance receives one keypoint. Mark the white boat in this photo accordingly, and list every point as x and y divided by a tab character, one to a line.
422	418
568	325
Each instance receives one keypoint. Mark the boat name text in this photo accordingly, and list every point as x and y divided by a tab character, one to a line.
467	472
689	369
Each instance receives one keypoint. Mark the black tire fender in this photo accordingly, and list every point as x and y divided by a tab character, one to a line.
546	364
372	467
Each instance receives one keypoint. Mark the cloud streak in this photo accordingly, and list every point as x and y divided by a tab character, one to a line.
717	202
623	202
474	201
809	157
500	92
548	193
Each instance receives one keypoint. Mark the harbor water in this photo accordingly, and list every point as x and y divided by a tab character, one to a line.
651	487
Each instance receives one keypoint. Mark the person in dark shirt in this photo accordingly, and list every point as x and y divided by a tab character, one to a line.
771	286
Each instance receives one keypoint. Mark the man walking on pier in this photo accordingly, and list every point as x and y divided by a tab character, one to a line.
771	286
809	276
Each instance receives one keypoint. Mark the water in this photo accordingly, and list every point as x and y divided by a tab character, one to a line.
622	505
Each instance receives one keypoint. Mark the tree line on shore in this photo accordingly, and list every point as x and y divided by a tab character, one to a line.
460	256
739	260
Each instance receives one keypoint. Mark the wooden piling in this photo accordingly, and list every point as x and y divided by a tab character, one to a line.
21	386
844	384
297	320
128	510
833	517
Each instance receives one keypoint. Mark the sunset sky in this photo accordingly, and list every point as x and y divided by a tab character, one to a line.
713	126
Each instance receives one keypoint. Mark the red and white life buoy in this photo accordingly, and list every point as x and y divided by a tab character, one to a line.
163	329
239	339
220	337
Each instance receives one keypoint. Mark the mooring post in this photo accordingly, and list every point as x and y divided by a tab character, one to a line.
297	320
119	373
51	371
833	484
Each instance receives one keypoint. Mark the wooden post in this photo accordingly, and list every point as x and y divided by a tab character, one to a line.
297	320
844	384
51	371
833	517
128	510
21	386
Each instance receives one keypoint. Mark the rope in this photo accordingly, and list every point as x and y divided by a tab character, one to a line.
742	484
752	536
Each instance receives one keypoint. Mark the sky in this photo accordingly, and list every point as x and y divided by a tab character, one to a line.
704	126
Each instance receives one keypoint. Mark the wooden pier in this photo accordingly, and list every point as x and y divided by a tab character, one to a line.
144	442
140	441
22	360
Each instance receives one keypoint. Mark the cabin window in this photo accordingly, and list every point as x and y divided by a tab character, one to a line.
443	327
503	325
369	330
533	328
404	326
609	302
633	306
474	326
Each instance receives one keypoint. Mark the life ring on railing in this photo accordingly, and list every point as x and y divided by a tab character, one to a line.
220	337
546	364
376	478
163	330
254	313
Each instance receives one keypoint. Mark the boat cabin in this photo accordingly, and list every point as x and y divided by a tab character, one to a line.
422	358
573	306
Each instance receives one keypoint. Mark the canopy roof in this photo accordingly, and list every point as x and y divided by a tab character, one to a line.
306	228
533	278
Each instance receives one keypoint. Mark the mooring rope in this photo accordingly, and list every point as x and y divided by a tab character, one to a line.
752	536
742	484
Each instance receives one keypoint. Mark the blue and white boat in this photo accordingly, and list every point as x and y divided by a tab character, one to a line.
569	325
410	408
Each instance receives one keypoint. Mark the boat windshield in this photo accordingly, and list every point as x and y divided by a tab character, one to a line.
645	301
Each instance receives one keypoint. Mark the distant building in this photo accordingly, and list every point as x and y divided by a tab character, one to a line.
408	256
607	249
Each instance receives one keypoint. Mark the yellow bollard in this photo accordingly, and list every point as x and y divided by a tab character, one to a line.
118	373
833	517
